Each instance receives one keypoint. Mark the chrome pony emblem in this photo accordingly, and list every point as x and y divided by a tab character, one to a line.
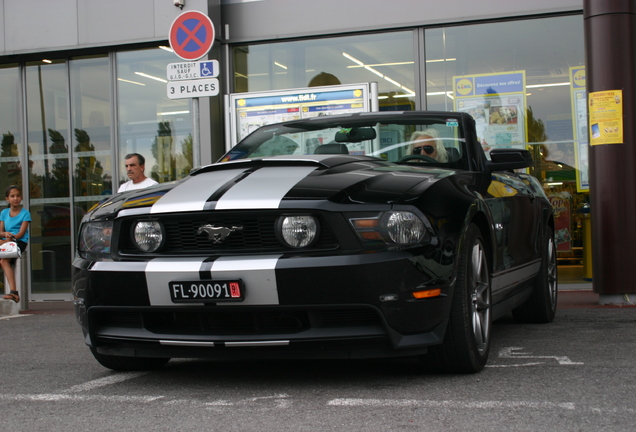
217	234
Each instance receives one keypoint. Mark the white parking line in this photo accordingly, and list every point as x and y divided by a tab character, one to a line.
106	381
8	317
517	353
72	397
283	401
448	403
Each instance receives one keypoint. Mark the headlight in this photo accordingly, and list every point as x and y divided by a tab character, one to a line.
95	237
403	227
400	228
298	231
148	236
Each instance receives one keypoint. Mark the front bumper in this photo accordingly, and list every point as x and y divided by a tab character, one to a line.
310	307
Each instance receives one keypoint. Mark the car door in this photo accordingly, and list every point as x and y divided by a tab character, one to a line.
513	206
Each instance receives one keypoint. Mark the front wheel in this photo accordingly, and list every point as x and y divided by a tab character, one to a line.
467	339
121	363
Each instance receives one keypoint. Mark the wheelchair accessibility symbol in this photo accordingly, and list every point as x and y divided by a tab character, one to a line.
206	69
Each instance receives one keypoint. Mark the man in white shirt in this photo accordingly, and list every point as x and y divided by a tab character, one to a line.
135	166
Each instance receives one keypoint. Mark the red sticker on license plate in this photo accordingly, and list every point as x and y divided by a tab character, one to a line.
202	291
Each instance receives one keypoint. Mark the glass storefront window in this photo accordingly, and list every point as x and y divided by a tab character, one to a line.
48	123
11	127
149	123
544	113
91	107
386	58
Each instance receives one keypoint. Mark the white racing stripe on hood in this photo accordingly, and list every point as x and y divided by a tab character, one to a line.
192	194
257	273
263	189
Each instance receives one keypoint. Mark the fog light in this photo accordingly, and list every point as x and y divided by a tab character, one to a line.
298	231
148	236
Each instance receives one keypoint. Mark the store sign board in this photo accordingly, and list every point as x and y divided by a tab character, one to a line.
193	88
191	35
192	70
249	111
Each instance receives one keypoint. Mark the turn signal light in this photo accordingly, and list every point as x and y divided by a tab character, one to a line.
427	293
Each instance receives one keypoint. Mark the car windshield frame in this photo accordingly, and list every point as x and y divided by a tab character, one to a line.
384	137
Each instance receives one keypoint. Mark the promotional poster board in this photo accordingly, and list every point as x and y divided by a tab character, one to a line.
247	112
606	117
578	91
561	204
497	102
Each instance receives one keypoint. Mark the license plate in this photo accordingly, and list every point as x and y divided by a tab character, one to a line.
203	291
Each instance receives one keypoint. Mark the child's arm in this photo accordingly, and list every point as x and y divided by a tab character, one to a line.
3	234
23	229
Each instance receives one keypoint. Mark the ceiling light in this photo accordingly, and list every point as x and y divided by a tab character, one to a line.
167	113
280	65
47	61
353	59
385	64
151	77
548	85
440	60
446	93
403	95
392	81
165	48
370	69
131	82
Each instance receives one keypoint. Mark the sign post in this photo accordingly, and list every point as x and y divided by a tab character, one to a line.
191	37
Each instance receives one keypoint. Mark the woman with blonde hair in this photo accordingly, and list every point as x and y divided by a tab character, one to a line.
427	143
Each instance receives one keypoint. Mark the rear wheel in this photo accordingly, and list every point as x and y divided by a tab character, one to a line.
467	339
121	363
542	304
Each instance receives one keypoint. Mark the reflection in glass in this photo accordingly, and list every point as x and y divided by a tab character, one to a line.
150	123
92	124
385	58
529	46
47	133
10	125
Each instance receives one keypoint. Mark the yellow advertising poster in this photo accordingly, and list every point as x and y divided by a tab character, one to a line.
606	117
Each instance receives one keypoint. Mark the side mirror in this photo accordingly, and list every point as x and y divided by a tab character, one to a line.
509	159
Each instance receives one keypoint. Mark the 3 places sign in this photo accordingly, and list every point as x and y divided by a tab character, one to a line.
193	88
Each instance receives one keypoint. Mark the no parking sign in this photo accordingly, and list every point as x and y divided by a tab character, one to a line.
191	35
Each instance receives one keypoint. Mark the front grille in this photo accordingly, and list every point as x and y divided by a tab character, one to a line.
215	321
258	234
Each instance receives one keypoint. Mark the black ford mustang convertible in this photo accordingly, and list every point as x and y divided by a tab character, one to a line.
369	235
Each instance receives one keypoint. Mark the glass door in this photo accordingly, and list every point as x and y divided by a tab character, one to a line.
48	159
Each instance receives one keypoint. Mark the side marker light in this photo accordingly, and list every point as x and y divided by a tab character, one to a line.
427	293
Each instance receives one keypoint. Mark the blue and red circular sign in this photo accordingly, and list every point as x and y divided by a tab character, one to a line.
191	35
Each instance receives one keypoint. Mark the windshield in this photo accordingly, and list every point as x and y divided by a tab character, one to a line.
430	140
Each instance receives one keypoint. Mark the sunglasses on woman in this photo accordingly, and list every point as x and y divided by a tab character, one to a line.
428	149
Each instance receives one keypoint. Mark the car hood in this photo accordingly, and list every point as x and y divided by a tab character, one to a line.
279	182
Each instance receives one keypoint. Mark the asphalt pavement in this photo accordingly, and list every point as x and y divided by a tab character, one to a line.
575	374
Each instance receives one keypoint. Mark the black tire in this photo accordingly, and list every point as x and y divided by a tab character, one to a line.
121	363
542	304
467	339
